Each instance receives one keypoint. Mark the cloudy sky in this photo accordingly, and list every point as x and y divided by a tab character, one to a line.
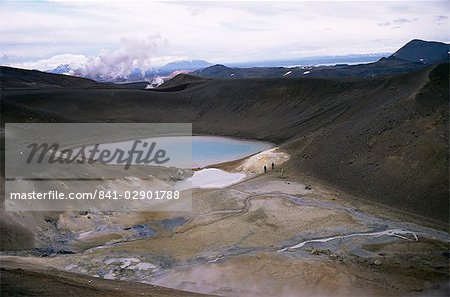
44	34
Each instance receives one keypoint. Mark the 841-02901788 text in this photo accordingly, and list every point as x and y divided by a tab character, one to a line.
140	195
97	194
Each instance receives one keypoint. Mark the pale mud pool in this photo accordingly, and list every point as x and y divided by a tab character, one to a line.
210	178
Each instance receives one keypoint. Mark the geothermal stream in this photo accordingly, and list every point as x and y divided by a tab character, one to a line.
390	232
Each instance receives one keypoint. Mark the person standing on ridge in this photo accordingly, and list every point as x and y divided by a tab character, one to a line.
273	166
265	169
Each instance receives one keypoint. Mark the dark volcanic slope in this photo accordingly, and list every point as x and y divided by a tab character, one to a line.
13	78
384	138
25	279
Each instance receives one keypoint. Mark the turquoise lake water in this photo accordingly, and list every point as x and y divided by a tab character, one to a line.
196	151
208	150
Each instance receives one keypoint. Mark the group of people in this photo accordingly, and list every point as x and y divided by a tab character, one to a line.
265	167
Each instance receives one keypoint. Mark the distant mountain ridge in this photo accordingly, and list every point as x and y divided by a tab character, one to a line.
414	55
61	69
185	65
314	60
428	52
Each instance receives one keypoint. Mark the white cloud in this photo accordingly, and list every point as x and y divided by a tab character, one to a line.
133	54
